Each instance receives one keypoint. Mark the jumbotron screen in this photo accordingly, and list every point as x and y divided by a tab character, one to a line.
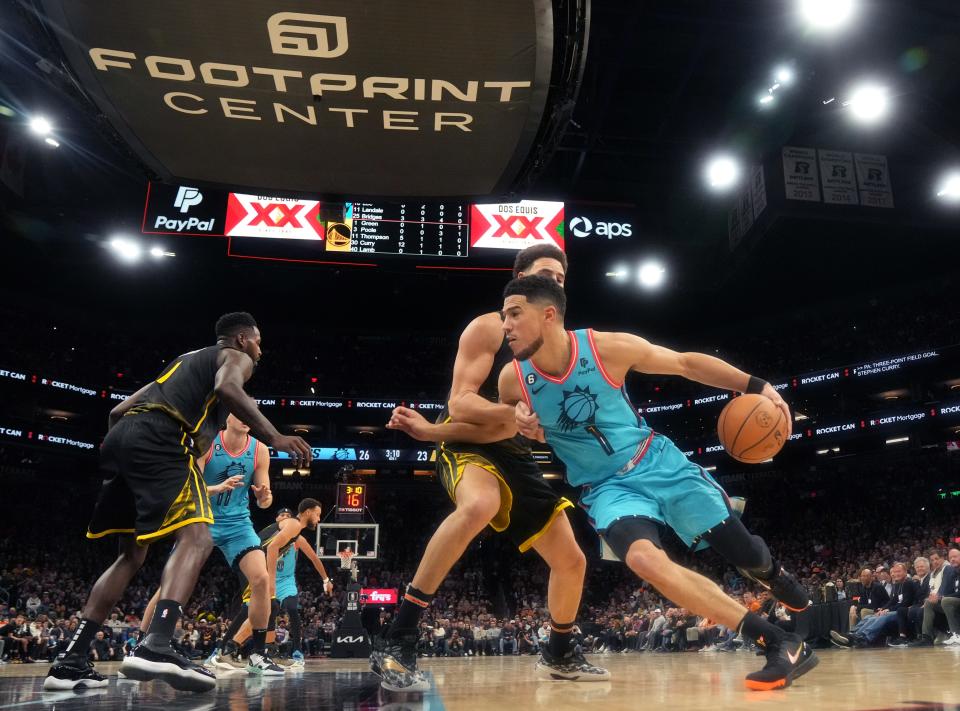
314	230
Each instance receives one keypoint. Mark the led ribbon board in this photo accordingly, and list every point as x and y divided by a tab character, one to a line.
379	98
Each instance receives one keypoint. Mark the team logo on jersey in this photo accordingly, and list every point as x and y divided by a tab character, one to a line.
531	378
579	407
233	469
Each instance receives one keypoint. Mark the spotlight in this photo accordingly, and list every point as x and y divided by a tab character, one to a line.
783	75
765	100
651	275
40	125
51	142
126	250
869	103
722	173
619	273
826	15
949	190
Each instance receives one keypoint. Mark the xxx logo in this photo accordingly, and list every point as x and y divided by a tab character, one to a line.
517	227
276	214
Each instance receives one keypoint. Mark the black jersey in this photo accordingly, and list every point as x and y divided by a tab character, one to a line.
184	392
267	534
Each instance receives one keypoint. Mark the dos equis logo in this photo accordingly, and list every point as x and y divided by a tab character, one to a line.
578	408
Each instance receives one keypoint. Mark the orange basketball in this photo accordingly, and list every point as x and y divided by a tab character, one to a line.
752	429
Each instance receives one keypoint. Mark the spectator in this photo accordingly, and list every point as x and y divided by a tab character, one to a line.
870	630
941	582
100	648
872	596
508	639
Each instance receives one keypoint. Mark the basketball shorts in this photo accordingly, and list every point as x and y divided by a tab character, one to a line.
528	506
151	484
665	487
235	539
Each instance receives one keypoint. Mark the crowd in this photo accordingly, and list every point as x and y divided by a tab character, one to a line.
843	531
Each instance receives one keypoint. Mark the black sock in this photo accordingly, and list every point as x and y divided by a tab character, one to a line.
79	645
408	616
163	624
560	636
754	627
258	642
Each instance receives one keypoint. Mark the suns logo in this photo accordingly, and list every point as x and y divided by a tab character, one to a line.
579	407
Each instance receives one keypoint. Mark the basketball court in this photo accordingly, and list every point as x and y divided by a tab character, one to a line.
874	679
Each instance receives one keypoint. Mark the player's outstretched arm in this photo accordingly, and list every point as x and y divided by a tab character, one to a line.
418	427
304	547
235	369
478	348
623	352
261	477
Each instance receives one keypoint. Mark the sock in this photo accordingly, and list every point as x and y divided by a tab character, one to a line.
80	643
754	627
258	642
408	616
560	636
163	624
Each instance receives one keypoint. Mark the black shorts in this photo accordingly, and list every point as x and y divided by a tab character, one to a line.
528	506
151	484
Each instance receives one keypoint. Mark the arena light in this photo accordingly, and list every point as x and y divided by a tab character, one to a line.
710	469
949	190
160	253
766	100
41	126
868	103
651	274
722	173
826	15
51	142
897	440
823	451
126	250
783	75
619	273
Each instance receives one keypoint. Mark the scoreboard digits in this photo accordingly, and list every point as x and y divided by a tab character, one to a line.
351	498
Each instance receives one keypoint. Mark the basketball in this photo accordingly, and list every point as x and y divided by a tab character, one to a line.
752	429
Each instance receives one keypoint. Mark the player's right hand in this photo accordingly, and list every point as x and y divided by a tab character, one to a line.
296	447
411	422
528	422
233	482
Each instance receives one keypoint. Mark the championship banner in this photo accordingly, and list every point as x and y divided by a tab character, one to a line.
516	225
839	179
276	218
800	176
873	178
378	98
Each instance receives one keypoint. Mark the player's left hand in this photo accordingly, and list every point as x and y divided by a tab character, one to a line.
261	492
528	422
328	587
411	422
775	398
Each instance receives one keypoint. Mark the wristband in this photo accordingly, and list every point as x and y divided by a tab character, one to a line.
756	385
326	580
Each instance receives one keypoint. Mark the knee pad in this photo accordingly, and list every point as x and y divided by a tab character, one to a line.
625	531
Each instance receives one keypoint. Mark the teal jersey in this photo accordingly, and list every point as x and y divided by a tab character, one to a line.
231	506
586	417
287	564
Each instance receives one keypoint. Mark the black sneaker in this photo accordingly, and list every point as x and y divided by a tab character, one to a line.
71	672
395	661
898	642
572	666
785	587
841	640
921	641
148	663
790	659
263	665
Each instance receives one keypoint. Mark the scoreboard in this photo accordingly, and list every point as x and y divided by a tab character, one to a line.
424	234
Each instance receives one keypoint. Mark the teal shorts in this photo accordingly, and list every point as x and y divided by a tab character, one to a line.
665	487
286	587
234	539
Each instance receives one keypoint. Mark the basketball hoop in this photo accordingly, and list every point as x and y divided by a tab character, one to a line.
346	559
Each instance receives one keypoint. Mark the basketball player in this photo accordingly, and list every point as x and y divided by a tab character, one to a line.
278	541
234	461
152	489
489	473
287	592
568	387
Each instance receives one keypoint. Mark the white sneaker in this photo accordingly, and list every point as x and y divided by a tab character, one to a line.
952	641
262	665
